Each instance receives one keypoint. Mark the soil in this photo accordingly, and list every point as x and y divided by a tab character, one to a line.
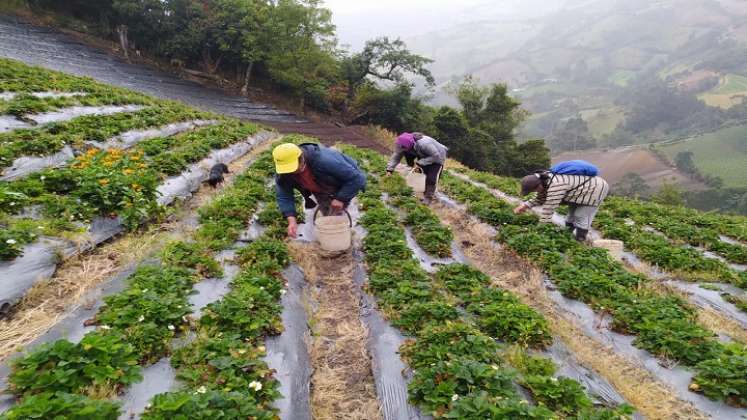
614	164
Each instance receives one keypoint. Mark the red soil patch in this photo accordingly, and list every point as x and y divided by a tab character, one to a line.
614	164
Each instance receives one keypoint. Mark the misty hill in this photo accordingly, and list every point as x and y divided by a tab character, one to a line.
635	71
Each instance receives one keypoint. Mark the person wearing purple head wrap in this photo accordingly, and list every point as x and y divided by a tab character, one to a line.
423	151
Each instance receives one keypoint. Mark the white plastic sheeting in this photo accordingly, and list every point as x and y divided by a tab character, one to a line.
8	96
26	165
8	123
131	138
40	259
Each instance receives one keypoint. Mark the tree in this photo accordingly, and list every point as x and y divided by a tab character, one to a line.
490	109
385	60
394	109
572	134
632	185
669	194
301	58
684	162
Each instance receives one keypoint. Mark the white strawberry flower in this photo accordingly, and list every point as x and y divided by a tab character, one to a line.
201	390
11	241
454	397
172	328
255	385
106	327
141	319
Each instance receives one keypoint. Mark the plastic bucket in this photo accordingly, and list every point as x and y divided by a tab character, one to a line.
334	233
615	248
416	180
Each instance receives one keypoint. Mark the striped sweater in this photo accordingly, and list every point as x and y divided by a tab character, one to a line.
570	189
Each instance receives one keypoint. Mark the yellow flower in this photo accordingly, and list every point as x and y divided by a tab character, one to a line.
135	158
103	181
136	187
128	171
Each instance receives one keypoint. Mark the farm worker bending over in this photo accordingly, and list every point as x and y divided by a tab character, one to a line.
332	177
430	155
574	183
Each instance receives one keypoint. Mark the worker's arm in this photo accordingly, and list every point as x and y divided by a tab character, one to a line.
550	200
285	199
395	159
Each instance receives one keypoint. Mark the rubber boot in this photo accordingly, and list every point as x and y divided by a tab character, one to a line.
430	190
581	234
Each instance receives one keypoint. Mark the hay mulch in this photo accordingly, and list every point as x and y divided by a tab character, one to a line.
342	383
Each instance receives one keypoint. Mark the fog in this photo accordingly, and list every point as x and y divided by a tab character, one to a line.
358	21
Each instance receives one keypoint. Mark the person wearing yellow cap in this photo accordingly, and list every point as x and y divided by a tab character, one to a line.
333	178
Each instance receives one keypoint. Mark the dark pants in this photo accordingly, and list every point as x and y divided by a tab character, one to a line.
432	173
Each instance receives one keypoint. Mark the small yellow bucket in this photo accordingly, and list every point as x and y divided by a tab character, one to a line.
334	233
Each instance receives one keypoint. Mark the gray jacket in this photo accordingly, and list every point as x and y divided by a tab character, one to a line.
427	149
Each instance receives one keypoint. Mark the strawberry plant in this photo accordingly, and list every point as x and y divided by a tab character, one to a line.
206	405
250	312
482	406
60	405
447	342
437	387
268	249
723	378
102	361
226	364
191	255
413	318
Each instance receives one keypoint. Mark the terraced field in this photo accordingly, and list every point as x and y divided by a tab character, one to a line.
189	302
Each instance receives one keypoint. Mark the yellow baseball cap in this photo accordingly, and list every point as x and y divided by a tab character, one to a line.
286	158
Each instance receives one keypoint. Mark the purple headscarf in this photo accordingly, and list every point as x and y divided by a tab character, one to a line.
406	141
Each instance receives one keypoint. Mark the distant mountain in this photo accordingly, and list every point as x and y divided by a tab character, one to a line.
586	58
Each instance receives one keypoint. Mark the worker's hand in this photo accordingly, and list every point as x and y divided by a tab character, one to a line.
336	206
292	227
388	173
521	209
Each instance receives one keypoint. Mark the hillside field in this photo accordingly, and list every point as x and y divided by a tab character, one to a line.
722	153
209	310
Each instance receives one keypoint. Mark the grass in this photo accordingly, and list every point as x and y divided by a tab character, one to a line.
731	91
603	121
722	153
622	77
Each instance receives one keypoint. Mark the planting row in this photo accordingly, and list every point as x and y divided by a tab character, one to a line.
684	229
459	370
51	138
429	233
684	262
221	368
628	220
664	323
109	183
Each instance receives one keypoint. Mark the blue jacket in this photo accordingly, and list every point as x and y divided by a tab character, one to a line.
330	168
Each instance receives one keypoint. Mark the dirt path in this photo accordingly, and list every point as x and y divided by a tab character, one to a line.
74	281
342	383
652	398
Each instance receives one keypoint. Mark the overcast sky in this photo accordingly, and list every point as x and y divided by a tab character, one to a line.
360	20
